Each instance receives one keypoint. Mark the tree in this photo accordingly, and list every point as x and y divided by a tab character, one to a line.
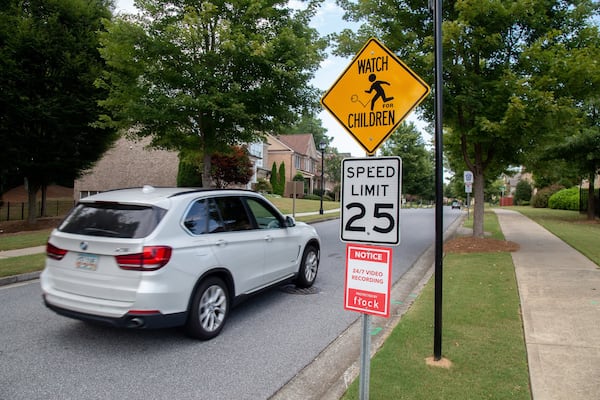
311	124
569	62
273	178
333	167
281	179
233	167
418	171
48	64
208	75
493	115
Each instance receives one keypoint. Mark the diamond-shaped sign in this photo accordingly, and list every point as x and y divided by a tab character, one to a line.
374	95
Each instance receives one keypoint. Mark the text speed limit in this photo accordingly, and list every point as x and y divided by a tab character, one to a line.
371	200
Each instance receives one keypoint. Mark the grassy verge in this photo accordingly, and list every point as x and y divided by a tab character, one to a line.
482	336
22	264
570	226
24	239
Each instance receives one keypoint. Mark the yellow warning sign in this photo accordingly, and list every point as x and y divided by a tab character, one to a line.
374	95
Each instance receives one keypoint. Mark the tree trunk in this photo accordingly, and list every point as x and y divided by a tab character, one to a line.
32	189
206	178
44	206
591	209
478	194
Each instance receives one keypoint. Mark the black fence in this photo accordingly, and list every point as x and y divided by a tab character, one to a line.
15	211
583	201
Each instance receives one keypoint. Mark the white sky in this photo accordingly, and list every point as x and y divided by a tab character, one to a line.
328	20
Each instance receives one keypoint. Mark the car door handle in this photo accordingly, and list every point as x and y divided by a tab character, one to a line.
221	243
268	238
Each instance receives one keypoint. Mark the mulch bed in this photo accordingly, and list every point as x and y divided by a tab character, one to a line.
470	244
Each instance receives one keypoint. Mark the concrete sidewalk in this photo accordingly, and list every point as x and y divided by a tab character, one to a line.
559	289
22	252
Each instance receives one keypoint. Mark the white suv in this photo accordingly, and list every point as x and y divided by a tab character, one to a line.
158	257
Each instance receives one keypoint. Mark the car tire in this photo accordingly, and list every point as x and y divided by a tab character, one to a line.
309	266
209	309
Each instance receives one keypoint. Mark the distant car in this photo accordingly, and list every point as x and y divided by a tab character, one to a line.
456	204
160	257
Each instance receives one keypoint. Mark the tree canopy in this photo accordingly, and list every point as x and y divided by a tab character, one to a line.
494	114
569	69
48	64
207	75
418	171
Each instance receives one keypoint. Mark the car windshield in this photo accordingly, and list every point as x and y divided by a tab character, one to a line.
112	220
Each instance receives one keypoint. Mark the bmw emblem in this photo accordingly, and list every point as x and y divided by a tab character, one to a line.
83	245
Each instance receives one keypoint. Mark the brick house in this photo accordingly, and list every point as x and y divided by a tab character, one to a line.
300	155
129	164
132	163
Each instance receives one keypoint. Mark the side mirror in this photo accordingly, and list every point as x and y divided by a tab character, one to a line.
289	222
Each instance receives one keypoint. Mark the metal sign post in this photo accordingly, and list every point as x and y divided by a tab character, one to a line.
367	289
439	180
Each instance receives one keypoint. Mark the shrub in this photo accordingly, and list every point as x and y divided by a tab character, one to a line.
188	175
281	179
523	192
311	197
273	179
566	199
540	199
263	186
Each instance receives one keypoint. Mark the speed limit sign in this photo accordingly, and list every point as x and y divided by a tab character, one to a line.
370	210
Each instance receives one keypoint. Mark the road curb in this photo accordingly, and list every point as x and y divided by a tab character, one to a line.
9	280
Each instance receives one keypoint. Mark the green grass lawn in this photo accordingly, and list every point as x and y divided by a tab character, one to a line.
24	239
482	336
22	264
571	226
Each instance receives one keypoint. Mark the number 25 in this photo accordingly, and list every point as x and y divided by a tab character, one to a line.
377	213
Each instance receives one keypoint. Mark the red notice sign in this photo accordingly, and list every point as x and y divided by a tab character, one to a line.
368	279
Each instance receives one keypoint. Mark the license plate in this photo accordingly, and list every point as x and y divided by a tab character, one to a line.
88	262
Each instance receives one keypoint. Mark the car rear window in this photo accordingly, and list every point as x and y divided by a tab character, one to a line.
112	220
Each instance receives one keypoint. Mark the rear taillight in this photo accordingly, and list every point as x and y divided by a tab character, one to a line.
54	252
151	259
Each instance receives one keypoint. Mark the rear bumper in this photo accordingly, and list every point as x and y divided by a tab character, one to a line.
130	320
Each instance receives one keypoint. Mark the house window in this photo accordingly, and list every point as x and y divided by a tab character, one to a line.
256	150
86	193
297	162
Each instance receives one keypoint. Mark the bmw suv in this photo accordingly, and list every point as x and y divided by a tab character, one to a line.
161	257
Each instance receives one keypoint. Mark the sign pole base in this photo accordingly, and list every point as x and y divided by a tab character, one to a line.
365	357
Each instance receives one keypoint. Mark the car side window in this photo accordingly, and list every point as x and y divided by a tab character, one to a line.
265	217
215	223
233	213
197	218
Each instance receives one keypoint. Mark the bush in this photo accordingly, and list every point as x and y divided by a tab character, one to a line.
523	193
311	197
298	177
566	199
263	186
540	199
188	175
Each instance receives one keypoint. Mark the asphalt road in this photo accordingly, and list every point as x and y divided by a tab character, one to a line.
267	340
